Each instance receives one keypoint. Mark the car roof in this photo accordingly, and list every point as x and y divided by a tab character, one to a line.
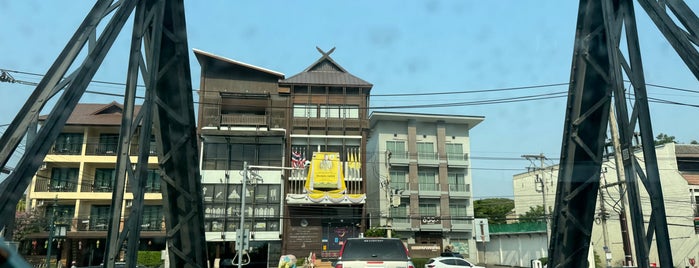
446	258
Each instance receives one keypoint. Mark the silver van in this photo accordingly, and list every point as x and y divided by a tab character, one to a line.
374	252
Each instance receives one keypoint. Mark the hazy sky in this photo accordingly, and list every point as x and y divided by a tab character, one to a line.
399	46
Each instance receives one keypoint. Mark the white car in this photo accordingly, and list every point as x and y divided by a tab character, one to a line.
449	262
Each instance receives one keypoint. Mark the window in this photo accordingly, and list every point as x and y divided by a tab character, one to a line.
398	180
351	112
305	110
99	217
104	178
215	156
457	183
108	143
455	151
458	213
152	218
153	181
426	181
397	149
400	213
428	208
64	179
69	143
64	213
425	150
330	111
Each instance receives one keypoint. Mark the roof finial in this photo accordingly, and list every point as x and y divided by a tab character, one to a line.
325	54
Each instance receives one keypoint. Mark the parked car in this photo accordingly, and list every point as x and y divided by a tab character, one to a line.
451	254
450	262
374	252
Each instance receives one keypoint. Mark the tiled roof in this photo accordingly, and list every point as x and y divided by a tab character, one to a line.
96	114
686	149
325	71
692	179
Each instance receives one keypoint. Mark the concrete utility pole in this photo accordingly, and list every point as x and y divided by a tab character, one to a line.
389	195
628	254
542	181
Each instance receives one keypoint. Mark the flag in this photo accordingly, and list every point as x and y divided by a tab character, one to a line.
297	160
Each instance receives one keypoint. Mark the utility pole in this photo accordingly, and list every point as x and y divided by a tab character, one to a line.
240	233
389	195
542	181
603	216
628	255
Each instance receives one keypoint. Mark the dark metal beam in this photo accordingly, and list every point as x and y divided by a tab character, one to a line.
175	133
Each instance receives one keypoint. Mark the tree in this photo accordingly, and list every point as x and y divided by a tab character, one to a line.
535	214
28	222
493	209
663	138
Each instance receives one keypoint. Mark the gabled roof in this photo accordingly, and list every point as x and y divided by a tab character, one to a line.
325	71
96	114
200	53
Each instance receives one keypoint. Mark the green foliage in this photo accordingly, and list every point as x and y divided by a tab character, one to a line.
420	262
598	260
535	214
29	222
375	232
149	258
494	209
663	138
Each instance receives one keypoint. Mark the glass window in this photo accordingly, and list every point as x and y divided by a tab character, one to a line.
64	179
398	180
99	217
400	213
305	110
428	208
108	143
153	181
459	212
397	148
215	156
457	182
426	179
455	151
425	150
330	111
351	112
64	213
152	218
69	143
104	178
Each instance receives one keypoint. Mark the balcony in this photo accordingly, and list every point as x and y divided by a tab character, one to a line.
428	159
67	149
97	224
47	185
429	190
250	120
102	149
459	190
457	160
461	224
399	159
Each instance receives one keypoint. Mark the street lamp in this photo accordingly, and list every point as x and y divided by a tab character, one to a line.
56	231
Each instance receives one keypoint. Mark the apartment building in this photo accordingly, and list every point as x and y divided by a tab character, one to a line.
419	179
678	165
242	120
76	182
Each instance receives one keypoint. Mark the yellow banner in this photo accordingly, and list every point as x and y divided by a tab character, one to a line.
325	173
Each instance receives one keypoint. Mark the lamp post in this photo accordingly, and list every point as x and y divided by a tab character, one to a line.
52	226
56	231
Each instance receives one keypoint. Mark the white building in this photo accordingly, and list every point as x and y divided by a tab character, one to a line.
679	174
418	165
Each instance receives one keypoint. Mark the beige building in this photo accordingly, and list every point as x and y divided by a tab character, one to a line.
76	181
419	179
679	174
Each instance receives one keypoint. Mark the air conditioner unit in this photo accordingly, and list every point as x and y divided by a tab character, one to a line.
40	203
129	203
43	166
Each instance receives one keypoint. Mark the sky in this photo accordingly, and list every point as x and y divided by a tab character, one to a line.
400	47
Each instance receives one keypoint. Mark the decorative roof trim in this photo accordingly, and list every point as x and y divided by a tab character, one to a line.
221	58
